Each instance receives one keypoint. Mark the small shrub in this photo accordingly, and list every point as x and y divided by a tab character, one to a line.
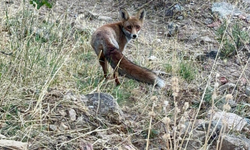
233	39
187	71
39	3
168	68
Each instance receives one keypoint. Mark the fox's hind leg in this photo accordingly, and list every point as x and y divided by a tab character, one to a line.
116	77
103	62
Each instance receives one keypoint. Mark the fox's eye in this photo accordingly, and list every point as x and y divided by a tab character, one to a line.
137	27
129	27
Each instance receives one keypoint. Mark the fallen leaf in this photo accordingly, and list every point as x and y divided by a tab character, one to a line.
223	80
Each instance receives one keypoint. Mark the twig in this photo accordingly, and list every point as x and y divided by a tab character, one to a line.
6	53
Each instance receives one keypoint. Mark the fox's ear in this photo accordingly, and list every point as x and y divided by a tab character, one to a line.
141	14
124	15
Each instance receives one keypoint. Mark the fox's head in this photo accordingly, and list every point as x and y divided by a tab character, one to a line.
132	24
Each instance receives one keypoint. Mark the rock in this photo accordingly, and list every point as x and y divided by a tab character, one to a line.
212	54
104	18
201	57
180	18
232	120
200	131
196	141
171	10
232	142
248	120
70	96
92	16
225	9
178	7
226	86
207	39
246	1
52	127
248	19
235	73
172	29
247	91
105	105
232	103
72	114
193	37
11	144
208	21
2	136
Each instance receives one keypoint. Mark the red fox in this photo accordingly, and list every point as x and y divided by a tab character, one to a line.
110	40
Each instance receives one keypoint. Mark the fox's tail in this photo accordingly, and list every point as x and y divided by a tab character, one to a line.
125	67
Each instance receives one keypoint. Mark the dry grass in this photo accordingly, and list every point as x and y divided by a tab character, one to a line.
44	57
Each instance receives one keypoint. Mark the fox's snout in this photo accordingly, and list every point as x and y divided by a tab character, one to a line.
134	33
133	36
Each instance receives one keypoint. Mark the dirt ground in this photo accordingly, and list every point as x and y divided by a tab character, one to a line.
194	40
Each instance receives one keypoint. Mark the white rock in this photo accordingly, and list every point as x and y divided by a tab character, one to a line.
105	18
225	9
232	120
72	114
11	144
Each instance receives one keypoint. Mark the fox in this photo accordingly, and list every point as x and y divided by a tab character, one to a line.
110	40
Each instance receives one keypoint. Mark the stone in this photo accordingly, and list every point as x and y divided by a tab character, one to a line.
11	144
247	91
70	96
225	9
208	21
226	86
232	142
199	133
2	136
246	1
233	121
53	127
180	18
228	142
207	39
105	105
193	37
178	7
248	19
232	103
172	29
104	18
72	114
